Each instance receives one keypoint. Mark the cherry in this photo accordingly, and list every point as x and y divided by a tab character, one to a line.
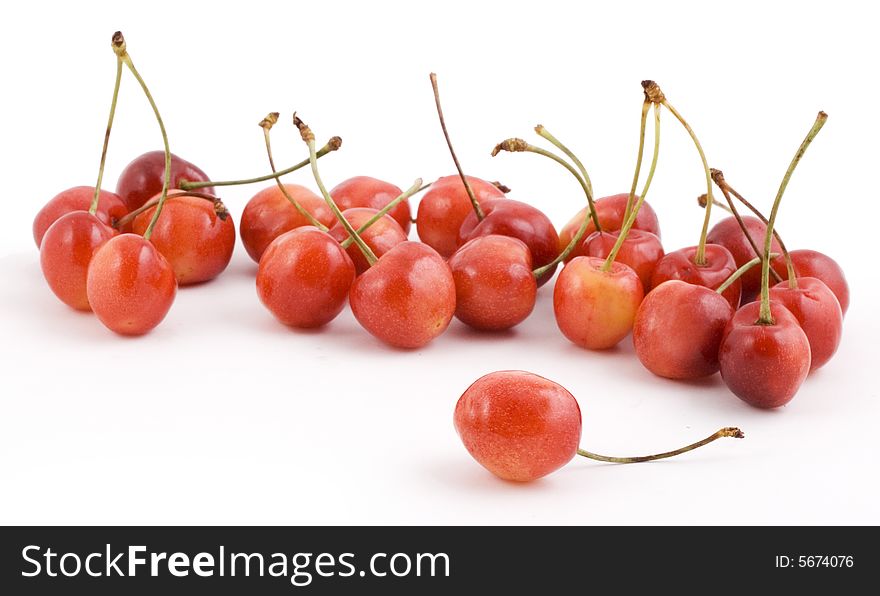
444	207
66	251
640	250
381	235
680	265
142	178
611	211
304	277
517	220
79	198
195	239
765	355
364	191
269	214
130	285
495	288
521	427
812	263
727	233
817	311
678	329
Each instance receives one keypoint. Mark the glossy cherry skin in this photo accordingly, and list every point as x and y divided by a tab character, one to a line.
269	214
364	191
381	236
818	312
66	251
678	329
495	288
640	250
517	425
812	263
764	365
196	242
720	265
444	207
407	298
78	198
517	220
610	211
144	176
130	286
596	309
728	234
304	278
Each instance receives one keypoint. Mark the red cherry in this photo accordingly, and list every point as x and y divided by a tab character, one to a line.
595	309
407	298
381	236
517	425
517	220
143	177
678	330
720	265
363	191
764	365
495	288
610	211
818	312
640	250
196	242
78	198
444	207
812	263
304	278
130	285
66	251
269	214
728	234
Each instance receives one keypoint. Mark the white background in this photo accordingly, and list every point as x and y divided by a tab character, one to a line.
221	415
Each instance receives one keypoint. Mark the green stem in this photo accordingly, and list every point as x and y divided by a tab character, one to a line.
632	192
631	220
416	187
700	256
131	215
724	432
467	185
93	208
740	272
766	317
543	132
332	145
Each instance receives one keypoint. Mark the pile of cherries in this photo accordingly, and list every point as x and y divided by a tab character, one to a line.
482	258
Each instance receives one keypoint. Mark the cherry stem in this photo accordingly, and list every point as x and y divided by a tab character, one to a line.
543	132
416	187
93	208
332	145
727	190
219	207
740	272
309	137
766	317
631	220
467	185
724	432
266	124
119	47
632	191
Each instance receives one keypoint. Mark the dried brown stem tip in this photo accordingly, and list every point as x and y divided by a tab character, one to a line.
269	121
501	186
703	200
117	42
717	176
334	143
731	431
512	145
653	92
220	210
304	130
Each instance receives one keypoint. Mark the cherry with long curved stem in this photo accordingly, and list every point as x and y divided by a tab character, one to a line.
721	433
765	317
309	138
266	124
415	188
467	185
332	145
93	208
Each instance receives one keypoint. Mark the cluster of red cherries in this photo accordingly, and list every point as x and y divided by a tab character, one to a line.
482	258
